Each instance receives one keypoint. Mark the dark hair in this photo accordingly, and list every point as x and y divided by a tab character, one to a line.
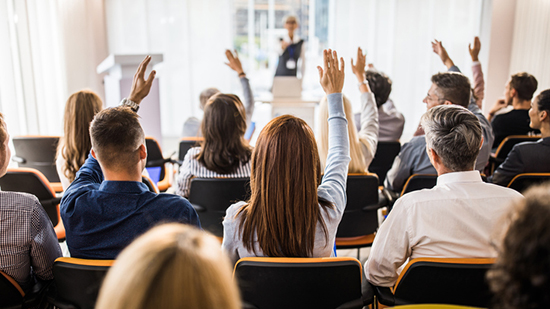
116	136
206	94
283	211
223	128
525	85
380	85
543	100
454	133
520	278
453	87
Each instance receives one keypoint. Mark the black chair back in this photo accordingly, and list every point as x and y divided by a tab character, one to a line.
299	282
506	146
360	216
419	182
383	159
11	294
212	196
37	152
522	182
187	143
77	282
447	281
154	156
33	182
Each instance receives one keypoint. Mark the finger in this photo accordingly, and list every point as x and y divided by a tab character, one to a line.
352	65
229	55
325	60
469	47
334	60
342	65
236	54
143	66
151	77
320	72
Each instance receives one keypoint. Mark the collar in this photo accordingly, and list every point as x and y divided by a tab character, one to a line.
123	186
545	141
295	40
456	177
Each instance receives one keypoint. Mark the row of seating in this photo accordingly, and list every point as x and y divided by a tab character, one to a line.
290	283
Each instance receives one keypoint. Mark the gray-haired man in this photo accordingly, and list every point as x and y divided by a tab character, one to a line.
453	219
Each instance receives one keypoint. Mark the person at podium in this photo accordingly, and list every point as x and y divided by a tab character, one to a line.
292	51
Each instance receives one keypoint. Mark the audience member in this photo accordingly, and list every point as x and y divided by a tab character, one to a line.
362	147
529	157
390	121
75	145
192	125
291	211
447	88
107	205
519	277
28	244
453	219
518	93
171	266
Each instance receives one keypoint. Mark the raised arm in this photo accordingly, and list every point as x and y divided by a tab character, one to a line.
438	48
333	186
235	64
479	82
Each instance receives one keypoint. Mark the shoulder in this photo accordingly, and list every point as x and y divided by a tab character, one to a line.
415	143
192	153
18	202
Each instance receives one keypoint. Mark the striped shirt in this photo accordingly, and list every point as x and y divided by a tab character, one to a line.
27	239
192	168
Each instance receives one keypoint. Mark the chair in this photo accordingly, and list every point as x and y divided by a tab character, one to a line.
300	283
419	182
155	159
521	182
383	159
12	295
150	184
212	196
38	152
187	143
32	181
360	219
505	147
77	282
440	281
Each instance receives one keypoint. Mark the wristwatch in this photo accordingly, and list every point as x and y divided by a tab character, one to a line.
131	104
365	82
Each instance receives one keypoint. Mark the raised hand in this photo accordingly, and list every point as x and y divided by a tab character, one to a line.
499	104
234	62
438	48
331	77
474	52
359	68
140	86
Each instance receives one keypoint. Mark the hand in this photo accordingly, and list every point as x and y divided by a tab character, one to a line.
234	62
359	68
140	86
331	78
499	104
371	66
438	48
284	45
474	52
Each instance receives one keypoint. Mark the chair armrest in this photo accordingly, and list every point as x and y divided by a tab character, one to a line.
367	297
198	208
384	295
391	197
18	159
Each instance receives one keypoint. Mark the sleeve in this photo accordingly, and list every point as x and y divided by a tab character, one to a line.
391	247
479	82
336	170
44	246
401	169
369	123
231	237
59	163
185	175
454	68
89	173
248	99
512	166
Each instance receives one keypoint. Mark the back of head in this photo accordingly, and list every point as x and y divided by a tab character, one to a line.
380	85
206	94
543	101
3	129
525	85
283	210
357	163
116	137
453	87
80	109
223	128
4	155
520	278
171	266
454	133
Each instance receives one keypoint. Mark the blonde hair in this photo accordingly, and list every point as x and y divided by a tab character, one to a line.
171	266
74	147
357	164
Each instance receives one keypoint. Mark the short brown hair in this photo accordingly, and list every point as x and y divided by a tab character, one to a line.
525	85
3	130
380	85
453	87
206	94
116	136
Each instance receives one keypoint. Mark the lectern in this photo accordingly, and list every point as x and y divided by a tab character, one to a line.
118	82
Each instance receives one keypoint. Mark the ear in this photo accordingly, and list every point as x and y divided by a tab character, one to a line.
93	154
543	115
513	92
448	103
142	152
481	144
434	157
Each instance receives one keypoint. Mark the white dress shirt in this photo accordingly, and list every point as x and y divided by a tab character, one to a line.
455	219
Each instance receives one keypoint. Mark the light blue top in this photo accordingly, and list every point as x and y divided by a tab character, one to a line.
332	189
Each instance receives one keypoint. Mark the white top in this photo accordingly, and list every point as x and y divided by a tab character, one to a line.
455	219
191	168
368	133
65	182
332	189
